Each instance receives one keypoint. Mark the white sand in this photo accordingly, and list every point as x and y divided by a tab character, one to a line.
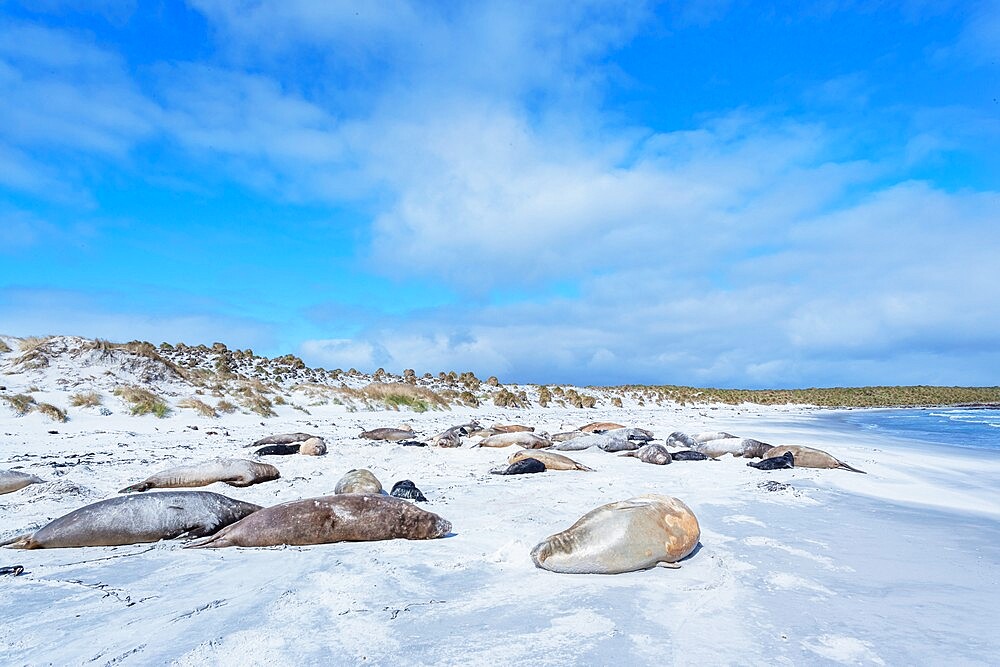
899	566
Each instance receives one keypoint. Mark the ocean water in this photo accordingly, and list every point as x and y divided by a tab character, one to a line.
970	428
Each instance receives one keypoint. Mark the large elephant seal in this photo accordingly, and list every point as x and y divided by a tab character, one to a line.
12	480
705	436
512	428
747	448
655	454
234	472
596	427
450	437
133	519
524	439
611	441
786	460
551	460
639	435
345	518
681	439
807	457
628	535
358	481
281	439
390	434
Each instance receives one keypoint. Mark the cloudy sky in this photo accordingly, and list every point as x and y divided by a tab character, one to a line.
715	193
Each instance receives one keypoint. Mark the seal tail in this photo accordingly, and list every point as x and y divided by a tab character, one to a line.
580	466
19	542
847	467
137	488
205	543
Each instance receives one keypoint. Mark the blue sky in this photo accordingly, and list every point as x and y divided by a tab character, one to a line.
710	193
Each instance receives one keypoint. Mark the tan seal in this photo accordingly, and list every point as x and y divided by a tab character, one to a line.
524	439
746	447
313	447
550	460
596	427
807	457
12	480
358	481
625	536
655	454
234	472
512	428
390	434
134	519
347	518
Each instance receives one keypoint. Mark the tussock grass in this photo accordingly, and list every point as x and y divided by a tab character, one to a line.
260	404
21	403
88	399
139	348
204	409
31	342
400	394
52	412
508	399
142	401
4	347
225	406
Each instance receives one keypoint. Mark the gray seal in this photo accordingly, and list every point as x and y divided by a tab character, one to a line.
281	439
739	447
133	519
12	480
358	481
786	460
655	454
234	472
807	457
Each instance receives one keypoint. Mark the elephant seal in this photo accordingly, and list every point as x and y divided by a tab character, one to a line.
594	427
688	455
524	439
12	480
12	569
655	454
611	441
134	519
786	460
280	439
566	435
411	443
640	435
681	439
359	517
358	481
747	448
234	472
391	434
705	436
523	466
313	447
277	450
625	536
512	428
451	437
807	457
551	460
407	489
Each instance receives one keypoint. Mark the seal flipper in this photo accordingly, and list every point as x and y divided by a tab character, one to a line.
671	566
20	542
847	467
137	488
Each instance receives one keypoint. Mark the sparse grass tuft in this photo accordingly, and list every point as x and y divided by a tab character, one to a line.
52	412
88	399
142	401
507	399
22	403
204	409
31	342
4	347
260	404
399	394
225	406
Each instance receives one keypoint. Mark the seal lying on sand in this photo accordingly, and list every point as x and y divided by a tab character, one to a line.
705	436
550	460
594	427
523	466
746	447
391	434
512	428
681	439
346	518
786	460
234	472
358	481
612	441
12	569
12	480
807	457
689	455
281	439
628	535
310	447
656	454
524	439
133	519
407	489
277	450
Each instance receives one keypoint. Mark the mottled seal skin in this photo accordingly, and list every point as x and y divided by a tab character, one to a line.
688	455
524	466
594	427
512	428
280	439
313	447
358	481
739	447
407	489
807	457
705	436
786	460
550	460
612	441
134	519
655	454
234	472
566	435
681	439
451	437
12	480
345	518
524	439
277	450
391	434
625	536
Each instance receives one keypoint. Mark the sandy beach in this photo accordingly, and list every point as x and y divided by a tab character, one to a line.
899	566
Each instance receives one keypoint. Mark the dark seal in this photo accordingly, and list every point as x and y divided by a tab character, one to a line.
786	460
411	443
522	467
12	569
688	455
407	489
278	450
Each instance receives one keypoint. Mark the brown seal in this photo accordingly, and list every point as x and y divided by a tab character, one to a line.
807	457
521	438
655	454
594	427
234	472
550	460
391	434
358	481
512	428
346	518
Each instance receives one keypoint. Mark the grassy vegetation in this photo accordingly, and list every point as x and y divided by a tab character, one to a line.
52	412
204	409
4	347
260	404
508	399
22	403
88	399
225	406
832	397
399	394
142	401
